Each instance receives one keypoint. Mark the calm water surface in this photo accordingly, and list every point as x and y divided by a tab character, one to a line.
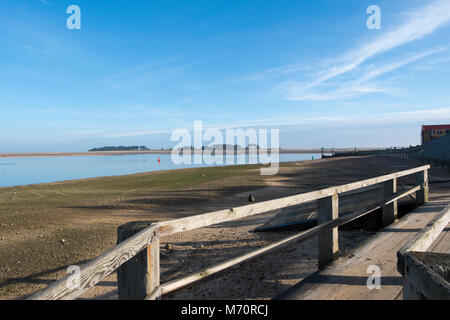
23	171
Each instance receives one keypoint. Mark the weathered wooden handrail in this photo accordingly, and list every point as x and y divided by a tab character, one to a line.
304	235
427	276
102	266
419	280
423	239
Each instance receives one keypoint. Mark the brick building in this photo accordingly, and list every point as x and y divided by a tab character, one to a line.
430	132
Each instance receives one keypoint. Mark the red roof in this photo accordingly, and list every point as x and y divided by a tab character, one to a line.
435	127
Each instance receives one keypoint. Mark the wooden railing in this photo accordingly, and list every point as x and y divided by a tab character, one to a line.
435	159
148	261
420	281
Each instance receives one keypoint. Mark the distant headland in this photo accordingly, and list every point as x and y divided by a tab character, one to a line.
120	148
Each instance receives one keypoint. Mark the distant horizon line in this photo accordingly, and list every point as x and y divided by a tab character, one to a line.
168	151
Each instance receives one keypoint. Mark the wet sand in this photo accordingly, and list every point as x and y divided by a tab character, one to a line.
34	221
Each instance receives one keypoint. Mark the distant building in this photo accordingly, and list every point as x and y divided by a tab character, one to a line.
431	132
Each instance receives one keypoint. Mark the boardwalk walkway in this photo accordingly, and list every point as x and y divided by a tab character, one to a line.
347	278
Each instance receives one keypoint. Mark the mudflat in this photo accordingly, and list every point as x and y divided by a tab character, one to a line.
45	228
163	151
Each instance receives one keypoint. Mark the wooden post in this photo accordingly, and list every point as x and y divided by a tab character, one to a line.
422	194
390	210
328	209
138	277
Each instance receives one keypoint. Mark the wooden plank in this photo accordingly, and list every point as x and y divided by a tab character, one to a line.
390	209
139	276
442	243
346	277
329	225
423	239
327	210
422	194
155	295
404	194
132	275
203	220
424	279
304	216
153	275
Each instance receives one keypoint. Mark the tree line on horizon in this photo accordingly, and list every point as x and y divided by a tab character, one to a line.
143	148
223	146
120	148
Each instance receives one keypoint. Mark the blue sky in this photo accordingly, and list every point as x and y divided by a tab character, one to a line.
139	69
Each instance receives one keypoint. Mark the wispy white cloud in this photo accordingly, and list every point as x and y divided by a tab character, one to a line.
146	76
360	85
133	112
143	110
345	90
353	76
274	73
135	133
45	52
411	116
296	123
84	133
441	63
25	31
418	24
379	70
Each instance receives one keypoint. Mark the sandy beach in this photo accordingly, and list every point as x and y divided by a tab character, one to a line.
45	228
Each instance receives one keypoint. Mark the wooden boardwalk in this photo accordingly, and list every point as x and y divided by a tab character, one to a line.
346	278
